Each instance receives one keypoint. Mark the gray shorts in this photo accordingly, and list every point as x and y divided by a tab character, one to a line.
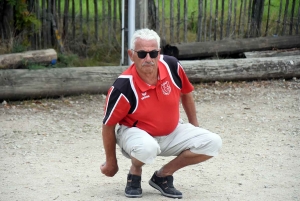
137	143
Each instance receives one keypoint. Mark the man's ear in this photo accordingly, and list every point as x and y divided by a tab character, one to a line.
130	54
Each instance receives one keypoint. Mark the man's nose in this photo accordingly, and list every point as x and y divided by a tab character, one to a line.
148	58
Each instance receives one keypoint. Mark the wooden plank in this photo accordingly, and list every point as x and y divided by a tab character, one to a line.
178	22
227	47
216	20
23	83
96	22
87	19
199	22
157	16
222	19
16	60
171	21
229	19
210	19
285	17
185	23
73	21
163	21
66	20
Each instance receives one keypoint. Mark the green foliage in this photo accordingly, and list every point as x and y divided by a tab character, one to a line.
66	60
73	60
35	66
20	44
104	54
23	18
192	25
18	48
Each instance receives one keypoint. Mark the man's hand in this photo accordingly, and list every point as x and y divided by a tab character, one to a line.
109	169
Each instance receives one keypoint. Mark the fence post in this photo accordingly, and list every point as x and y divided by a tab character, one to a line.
257	13
126	59
141	14
199	23
185	20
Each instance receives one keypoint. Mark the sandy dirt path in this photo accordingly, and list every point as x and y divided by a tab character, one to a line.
51	149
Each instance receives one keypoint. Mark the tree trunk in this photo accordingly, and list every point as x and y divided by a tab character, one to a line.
21	83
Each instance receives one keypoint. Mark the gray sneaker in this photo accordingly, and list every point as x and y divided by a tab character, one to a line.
133	187
165	186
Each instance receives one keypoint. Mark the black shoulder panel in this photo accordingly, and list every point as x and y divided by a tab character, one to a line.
126	87
172	64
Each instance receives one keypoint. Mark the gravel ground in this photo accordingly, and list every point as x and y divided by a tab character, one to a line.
51	149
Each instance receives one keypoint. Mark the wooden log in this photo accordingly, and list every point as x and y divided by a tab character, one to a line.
228	47
272	53
242	69
15	60
24	83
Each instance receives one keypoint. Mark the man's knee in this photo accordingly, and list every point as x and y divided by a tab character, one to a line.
145	151
210	145
215	143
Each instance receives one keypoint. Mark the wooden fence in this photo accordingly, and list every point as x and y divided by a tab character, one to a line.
79	25
217	20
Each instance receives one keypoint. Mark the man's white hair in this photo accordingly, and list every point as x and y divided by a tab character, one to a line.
145	34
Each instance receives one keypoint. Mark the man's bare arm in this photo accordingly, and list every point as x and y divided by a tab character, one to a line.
110	167
189	107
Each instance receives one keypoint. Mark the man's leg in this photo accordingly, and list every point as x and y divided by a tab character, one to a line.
162	179
136	167
141	148
186	158
191	145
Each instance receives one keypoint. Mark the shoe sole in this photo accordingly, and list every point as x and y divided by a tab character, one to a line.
133	196
154	185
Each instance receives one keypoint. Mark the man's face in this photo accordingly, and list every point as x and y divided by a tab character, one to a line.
147	64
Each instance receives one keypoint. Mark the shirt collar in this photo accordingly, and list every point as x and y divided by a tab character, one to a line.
162	74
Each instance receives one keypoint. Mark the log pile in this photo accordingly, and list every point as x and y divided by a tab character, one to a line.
23	83
16	84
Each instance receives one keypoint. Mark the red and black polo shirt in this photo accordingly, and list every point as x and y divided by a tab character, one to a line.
155	109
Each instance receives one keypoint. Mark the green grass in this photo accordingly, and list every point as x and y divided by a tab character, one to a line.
90	9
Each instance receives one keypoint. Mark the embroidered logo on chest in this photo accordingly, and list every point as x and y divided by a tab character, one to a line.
145	95
165	87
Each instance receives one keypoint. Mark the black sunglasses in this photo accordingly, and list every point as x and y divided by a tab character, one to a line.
142	54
